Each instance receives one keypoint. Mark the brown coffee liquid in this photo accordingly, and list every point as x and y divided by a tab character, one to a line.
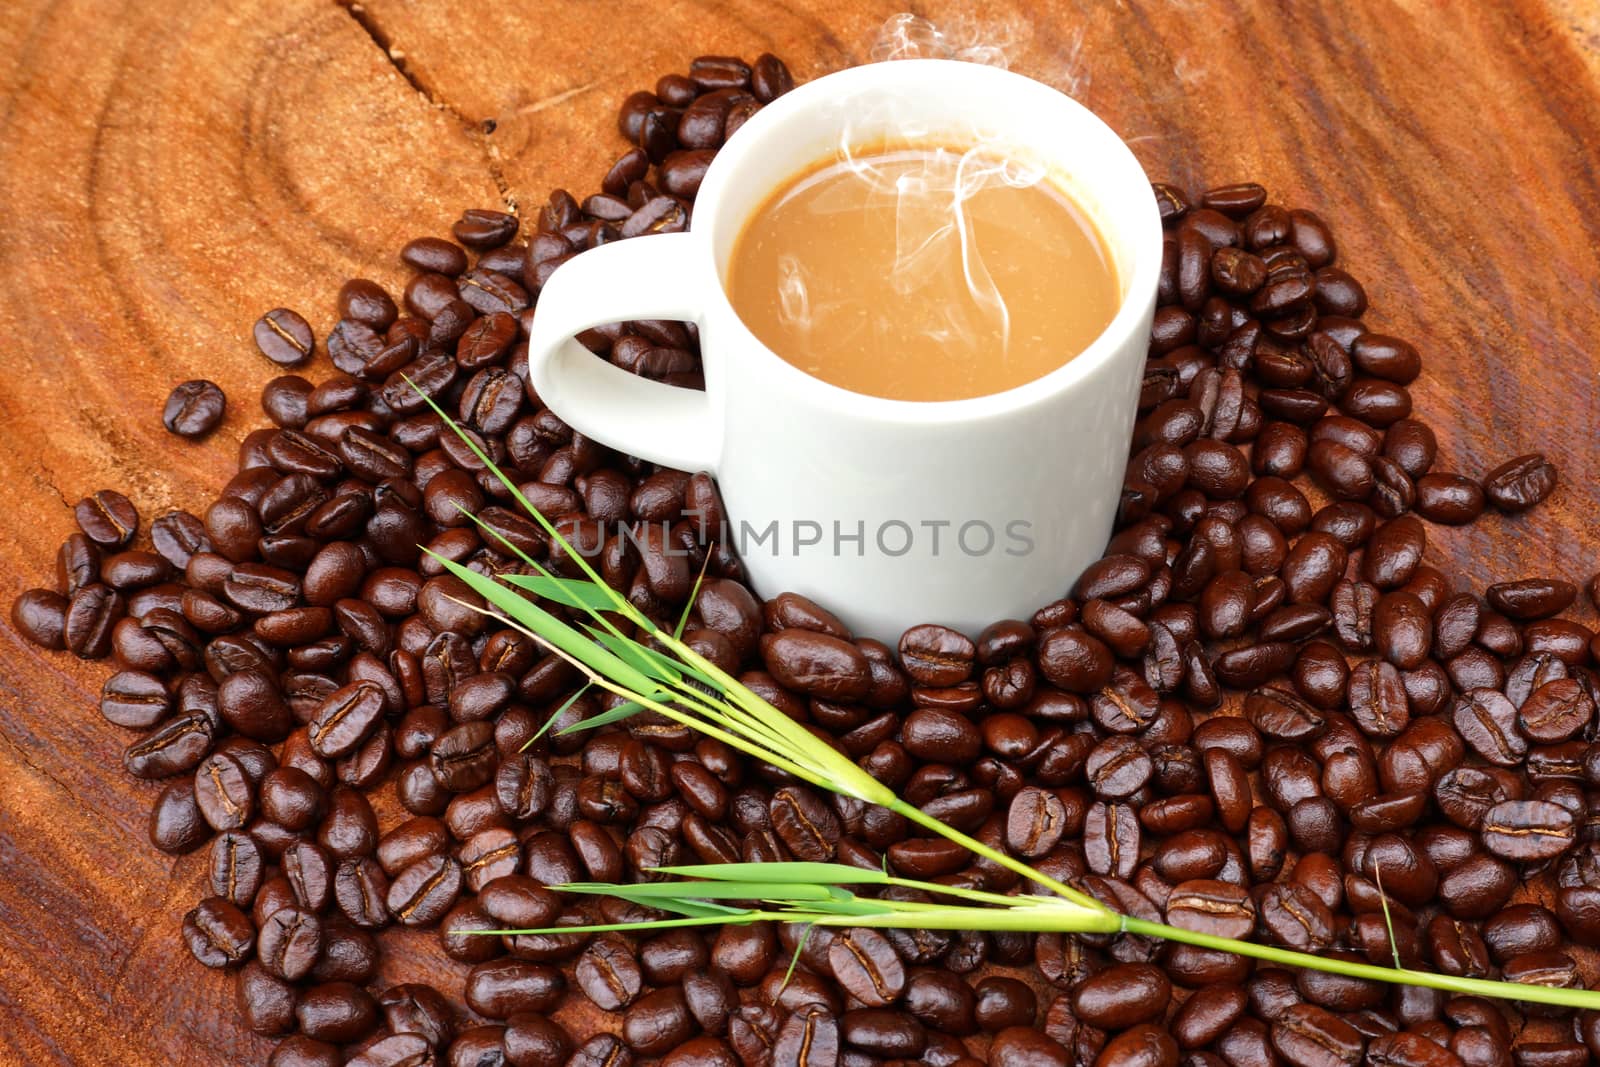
922	273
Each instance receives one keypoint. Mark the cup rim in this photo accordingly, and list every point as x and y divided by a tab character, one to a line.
1145	238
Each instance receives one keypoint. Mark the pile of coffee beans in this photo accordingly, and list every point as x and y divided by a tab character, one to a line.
1263	713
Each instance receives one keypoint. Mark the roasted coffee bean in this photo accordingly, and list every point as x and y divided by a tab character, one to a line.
937	735
523	786
418	1011
1524	831
866	965
350	828
360	888
936	655
237	867
464	757
1143	1044
284	337
1122	996
608	974
770	78
1118	767
173	748
285	400
345	719
1517	484
250	701
1555	711
435	255
290	942
1487	721
941	1000
339	1012
77	564
1004	1002
224	792
394	1050
1449	499
176	825
817	664
1211	907
1111	839
425	890
135	699
809	1038
532	1040
218	933
292	798
1531	598
489	854
1281	714
297	1050
1036	822
1308	1034
265	1000
482	229
502	988
91	617
40	615
194	409
1074	660
658	1022
806	825
1377	697
1555	969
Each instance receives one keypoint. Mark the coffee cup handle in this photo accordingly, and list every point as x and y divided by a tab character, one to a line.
658	276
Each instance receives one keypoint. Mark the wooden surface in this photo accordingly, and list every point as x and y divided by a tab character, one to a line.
171	168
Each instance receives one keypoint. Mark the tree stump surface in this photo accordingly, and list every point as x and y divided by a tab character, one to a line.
169	170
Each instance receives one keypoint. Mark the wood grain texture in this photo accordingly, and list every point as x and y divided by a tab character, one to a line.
171	168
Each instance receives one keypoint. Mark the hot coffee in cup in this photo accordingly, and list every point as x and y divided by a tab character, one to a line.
923	271
917	409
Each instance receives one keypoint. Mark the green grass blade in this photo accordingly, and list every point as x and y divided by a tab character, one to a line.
837	771
549	628
855	907
562	710
694	594
568	592
648	924
794	960
668	671
693	909
774	890
792	871
626	710
643	659
617	599
1388	922
602	602
732	738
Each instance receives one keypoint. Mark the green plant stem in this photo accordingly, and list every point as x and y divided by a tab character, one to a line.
1030	920
1474	987
978	895
1044	917
1016	866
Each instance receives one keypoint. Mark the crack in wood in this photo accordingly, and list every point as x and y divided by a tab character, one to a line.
48	477
476	131
28	762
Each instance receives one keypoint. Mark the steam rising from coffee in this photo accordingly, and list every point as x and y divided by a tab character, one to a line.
929	190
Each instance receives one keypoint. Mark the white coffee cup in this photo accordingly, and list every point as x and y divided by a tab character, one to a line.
894	496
